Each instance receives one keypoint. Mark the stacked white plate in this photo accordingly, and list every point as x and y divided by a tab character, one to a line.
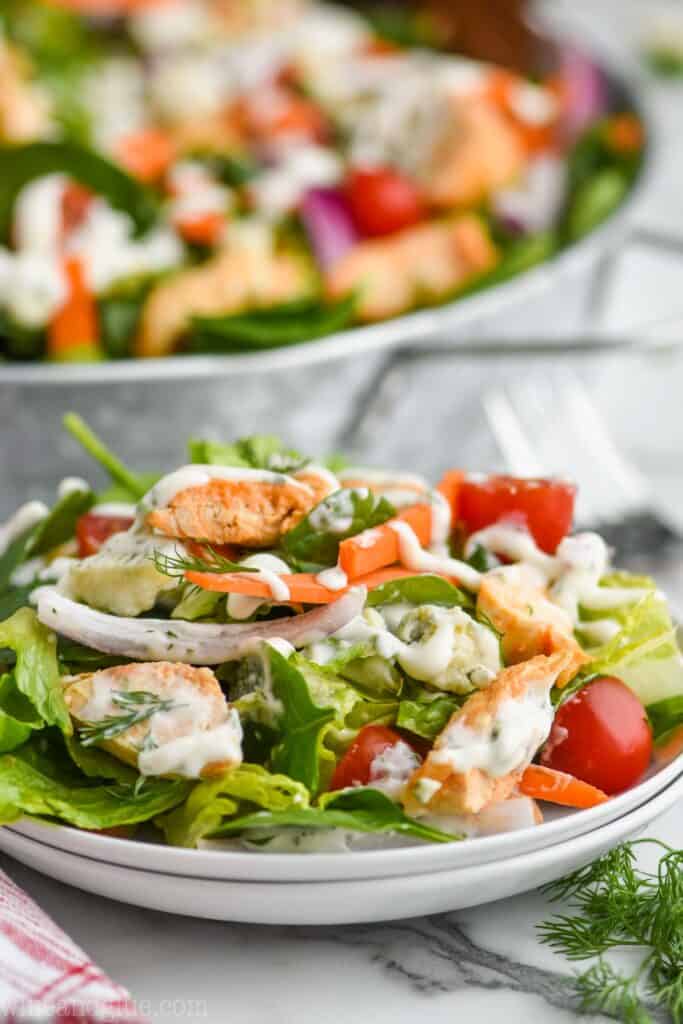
340	888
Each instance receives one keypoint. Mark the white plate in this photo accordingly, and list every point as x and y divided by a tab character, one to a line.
342	902
560	826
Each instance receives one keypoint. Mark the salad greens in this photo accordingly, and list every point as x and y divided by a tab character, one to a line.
321	726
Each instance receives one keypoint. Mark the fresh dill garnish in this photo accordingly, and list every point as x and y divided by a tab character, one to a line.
136	706
615	905
178	564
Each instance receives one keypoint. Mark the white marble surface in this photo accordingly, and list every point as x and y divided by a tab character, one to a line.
481	964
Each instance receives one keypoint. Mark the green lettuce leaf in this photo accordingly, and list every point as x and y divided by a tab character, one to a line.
239	791
644	653
98	764
285	324
301	724
426	716
424	589
344	513
14	729
356	810
261	451
24	789
36	673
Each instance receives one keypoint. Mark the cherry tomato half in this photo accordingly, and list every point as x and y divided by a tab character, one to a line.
602	736
383	201
545	506
92	530
354	767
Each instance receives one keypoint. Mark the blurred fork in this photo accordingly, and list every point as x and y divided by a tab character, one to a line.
551	426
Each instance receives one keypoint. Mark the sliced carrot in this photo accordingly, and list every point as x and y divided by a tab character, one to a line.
203	229
303	587
73	332
559	788
146	154
667	752
379	546
449	486
624	134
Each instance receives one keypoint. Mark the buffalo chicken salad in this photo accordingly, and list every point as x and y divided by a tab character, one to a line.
190	176
261	651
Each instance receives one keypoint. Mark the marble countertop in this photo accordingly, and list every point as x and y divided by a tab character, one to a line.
484	963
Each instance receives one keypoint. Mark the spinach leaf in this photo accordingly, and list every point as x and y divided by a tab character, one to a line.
118	317
424	589
357	810
60	525
301	725
36	672
594	200
21	164
287	324
344	513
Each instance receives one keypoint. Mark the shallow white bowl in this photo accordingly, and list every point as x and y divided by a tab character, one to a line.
340	902
560	825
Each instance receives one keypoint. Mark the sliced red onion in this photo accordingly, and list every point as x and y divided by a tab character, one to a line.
328	222
535	204
194	643
585	89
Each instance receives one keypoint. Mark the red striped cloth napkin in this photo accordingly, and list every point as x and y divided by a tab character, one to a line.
45	978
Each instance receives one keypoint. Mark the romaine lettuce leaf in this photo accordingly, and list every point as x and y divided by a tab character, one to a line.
261	451
18	717
24	789
665	716
644	653
425	589
98	764
426	718
239	791
356	810
344	513
36	673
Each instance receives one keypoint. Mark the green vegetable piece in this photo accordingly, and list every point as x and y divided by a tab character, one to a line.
20	165
419	590
275	327
665	716
344	513
36	673
595	201
212	803
60	525
357	810
17	716
134	486
302	724
27	790
426	718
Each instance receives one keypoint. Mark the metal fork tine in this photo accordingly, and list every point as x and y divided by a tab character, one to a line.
509	434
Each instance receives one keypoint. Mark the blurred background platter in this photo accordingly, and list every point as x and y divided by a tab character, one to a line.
447	323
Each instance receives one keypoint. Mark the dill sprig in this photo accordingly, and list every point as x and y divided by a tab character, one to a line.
613	904
177	564
136	706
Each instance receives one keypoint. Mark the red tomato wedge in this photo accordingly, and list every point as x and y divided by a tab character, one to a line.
92	530
555	787
383	201
602	736
546	507
303	587
379	546
354	767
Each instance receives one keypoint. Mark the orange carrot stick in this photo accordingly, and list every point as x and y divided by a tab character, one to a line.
379	546
146	154
559	788
303	587
73	332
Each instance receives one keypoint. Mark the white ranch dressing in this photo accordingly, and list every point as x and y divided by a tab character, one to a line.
572	575
333	579
518	728
417	559
114	508
29	515
270	571
457	653
391	769
188	756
